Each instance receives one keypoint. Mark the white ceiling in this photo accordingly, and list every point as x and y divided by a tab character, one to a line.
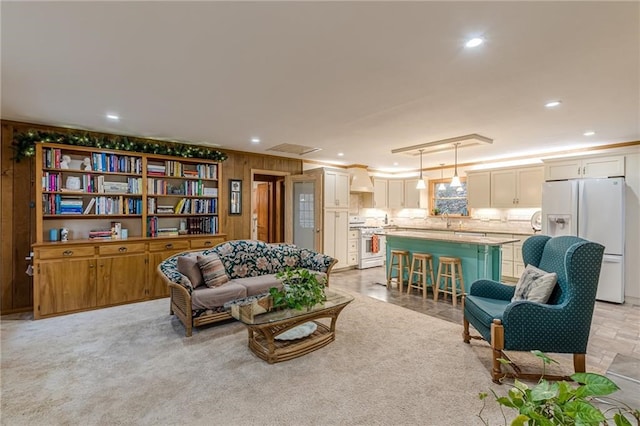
361	78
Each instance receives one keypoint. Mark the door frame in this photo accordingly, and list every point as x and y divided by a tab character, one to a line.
288	209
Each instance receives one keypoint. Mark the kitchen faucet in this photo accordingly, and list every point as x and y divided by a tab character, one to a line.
445	216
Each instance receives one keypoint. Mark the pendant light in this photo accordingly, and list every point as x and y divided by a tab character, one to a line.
442	186
421	184
455	182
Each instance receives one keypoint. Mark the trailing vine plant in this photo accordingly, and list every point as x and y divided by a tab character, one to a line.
24	144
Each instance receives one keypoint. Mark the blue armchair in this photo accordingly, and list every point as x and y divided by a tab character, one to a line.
559	326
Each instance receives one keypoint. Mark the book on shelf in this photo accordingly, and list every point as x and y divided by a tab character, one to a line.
87	209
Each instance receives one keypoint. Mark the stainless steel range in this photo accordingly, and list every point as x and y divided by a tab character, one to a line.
371	246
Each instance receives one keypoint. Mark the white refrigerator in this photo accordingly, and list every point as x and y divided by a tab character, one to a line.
592	209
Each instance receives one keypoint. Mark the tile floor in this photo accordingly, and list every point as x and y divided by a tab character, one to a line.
615	328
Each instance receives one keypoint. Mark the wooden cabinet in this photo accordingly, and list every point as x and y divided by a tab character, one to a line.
336	229
522	187
336	189
380	191
63	285
76	276
479	189
584	167
395	194
159	251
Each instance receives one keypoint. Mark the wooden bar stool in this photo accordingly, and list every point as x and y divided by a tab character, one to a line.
449	269
422	266
402	265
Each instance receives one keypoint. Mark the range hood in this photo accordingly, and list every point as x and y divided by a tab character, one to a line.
360	180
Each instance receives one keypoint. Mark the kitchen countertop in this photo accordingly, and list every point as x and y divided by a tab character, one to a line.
460	238
458	229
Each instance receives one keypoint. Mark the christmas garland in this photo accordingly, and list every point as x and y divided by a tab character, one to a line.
24	144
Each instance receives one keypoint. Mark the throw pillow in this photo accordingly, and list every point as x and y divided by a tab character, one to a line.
212	270
535	285
188	266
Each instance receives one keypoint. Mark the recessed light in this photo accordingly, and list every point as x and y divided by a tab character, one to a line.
255	140
113	117
589	133
552	104
341	154
474	42
395	164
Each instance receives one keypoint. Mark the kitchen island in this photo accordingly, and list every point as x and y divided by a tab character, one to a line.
481	256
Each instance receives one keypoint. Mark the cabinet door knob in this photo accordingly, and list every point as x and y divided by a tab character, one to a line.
168	246
122	249
67	253
578	169
207	243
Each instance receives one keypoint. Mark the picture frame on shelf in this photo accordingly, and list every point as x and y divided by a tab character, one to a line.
235	196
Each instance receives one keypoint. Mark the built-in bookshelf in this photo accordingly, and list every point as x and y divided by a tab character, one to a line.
87	190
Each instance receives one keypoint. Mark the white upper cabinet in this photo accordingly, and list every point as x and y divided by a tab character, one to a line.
380	190
479	189
395	198
585	167
336	189
411	194
517	187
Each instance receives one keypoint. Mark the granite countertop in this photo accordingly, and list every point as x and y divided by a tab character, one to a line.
460	238
487	230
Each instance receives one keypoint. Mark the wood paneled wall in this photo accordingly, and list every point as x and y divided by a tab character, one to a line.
17	231
17	227
239	166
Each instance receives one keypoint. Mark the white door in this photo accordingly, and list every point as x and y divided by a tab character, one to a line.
306	211
602	213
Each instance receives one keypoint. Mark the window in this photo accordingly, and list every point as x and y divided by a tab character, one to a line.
452	201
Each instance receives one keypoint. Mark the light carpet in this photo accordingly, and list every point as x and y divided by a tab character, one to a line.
132	364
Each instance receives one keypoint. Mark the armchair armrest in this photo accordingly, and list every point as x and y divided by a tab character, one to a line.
492	290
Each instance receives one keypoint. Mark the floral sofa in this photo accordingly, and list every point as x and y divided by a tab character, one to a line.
250	267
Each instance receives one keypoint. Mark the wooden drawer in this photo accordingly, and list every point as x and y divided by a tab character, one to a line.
169	245
352	259
353	234
65	252
353	246
110	249
206	243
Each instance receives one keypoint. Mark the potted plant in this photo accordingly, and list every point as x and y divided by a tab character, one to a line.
301	289
560	403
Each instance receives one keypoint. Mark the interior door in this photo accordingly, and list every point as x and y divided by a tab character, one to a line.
306	205
263	208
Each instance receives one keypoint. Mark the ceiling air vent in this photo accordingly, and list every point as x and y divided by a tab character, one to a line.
291	148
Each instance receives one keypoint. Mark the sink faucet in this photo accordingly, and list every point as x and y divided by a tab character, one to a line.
445	216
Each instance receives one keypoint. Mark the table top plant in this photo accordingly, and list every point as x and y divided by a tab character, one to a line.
301	289
561	403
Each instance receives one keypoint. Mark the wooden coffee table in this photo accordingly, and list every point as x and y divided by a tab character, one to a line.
265	328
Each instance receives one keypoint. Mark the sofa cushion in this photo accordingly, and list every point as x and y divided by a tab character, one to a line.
283	256
213	272
245	258
258	285
188	266
209	298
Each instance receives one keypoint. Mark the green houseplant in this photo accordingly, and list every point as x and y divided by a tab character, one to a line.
561	403
301	289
